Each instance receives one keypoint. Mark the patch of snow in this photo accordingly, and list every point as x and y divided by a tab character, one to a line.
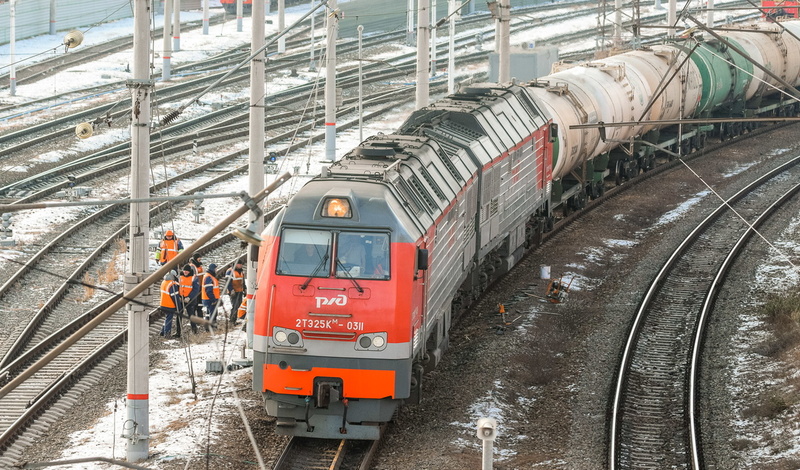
678	212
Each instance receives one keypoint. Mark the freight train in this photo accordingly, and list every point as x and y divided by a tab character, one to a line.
363	271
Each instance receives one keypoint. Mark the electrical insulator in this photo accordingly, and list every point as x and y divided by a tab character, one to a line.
84	130
73	39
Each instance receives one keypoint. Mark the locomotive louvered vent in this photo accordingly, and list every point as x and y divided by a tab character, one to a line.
411	201
434	186
529	105
460	130
416	184
451	153
469	228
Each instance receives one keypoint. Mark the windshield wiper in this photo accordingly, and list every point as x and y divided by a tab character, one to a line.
349	276
314	273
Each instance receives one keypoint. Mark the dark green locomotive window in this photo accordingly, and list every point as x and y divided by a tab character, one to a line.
362	255
305	253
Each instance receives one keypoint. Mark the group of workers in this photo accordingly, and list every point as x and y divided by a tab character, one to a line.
195	292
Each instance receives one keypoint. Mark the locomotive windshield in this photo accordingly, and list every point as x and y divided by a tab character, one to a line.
359	255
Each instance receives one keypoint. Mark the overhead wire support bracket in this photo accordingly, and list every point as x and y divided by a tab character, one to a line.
174	114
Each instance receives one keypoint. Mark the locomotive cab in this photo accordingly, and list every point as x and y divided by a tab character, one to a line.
337	311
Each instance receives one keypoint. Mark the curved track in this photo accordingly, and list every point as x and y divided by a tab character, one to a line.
650	423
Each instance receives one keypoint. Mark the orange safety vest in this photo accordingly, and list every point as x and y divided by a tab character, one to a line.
186	285
242	312
166	299
237	280
216	286
169	249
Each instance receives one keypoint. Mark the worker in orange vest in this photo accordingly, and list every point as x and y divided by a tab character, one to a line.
197	264
190	293
242	311
169	248
210	295
171	303
235	288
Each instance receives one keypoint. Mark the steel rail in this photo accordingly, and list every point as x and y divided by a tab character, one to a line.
647	300
705	314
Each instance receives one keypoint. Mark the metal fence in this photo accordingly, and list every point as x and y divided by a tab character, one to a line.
33	16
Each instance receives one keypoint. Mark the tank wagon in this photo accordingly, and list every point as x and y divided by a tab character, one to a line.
362	272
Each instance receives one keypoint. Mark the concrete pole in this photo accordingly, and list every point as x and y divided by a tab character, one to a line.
12	36
281	25
451	52
497	34
423	53
504	40
136	428
239	15
657	5
671	17
433	38
257	138
52	16
330	82
206	14
312	66
176	26
410	23
360	87
166	68
617	39
710	14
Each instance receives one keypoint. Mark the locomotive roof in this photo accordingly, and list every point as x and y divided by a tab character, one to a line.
503	115
372	203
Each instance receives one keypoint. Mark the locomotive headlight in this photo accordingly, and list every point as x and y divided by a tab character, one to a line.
336	207
286	337
371	342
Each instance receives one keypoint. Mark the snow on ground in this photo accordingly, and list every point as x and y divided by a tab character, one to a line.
179	418
171	398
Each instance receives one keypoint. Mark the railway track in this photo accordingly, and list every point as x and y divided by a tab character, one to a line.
653	411
302	453
36	71
298	42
